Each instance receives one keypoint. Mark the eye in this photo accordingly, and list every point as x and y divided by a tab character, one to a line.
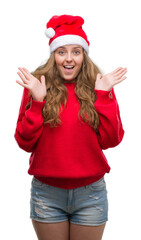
61	52
76	52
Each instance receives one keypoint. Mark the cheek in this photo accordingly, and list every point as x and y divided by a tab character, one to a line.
58	60
79	65
80	61
60	69
59	66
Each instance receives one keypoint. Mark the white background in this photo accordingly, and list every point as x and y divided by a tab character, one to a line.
113	29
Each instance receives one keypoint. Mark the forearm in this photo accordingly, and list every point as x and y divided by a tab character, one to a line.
29	126
110	127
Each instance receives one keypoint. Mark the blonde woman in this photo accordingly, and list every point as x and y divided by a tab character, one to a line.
69	113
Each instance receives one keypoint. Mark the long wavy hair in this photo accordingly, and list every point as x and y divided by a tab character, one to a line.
57	92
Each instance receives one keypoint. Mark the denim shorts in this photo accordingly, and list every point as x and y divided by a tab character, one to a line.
86	205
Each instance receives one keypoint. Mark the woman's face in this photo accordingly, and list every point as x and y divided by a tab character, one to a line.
69	60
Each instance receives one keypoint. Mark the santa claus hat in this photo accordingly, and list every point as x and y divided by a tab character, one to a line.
64	30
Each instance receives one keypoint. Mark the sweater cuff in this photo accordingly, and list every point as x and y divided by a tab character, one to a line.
104	96
37	106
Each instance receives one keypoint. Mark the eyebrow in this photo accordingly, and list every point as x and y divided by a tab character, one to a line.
63	47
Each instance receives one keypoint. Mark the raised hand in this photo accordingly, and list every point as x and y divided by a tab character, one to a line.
36	87
108	81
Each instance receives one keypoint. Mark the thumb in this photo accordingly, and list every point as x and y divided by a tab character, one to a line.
99	76
43	79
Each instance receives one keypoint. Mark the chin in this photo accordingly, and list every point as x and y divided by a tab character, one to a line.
69	78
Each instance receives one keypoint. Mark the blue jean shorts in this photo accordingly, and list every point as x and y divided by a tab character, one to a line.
86	205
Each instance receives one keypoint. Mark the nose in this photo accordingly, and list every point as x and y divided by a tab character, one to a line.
68	57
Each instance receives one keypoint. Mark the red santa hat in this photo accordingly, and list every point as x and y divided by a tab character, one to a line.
65	30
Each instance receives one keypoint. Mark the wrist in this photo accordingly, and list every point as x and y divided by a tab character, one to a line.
38	99
103	89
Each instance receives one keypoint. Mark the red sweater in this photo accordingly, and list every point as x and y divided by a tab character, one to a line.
70	155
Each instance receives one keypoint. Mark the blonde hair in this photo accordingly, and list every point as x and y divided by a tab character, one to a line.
57	92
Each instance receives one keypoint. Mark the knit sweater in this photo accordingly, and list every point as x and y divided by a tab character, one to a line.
69	155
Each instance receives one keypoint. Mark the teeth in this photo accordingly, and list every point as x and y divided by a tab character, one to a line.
68	67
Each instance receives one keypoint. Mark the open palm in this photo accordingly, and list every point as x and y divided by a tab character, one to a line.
108	81
36	87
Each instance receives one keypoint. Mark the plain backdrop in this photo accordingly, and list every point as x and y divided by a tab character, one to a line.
113	29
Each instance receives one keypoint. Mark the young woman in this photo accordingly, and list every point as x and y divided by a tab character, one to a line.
68	114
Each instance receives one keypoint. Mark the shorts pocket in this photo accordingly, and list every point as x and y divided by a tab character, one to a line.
37	183
98	186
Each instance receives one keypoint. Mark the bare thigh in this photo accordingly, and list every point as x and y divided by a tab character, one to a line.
51	231
81	232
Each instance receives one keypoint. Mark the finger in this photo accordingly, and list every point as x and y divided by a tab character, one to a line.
26	70
117	69
99	76
120	75
22	84
27	75
122	79
120	71
22	77
43	79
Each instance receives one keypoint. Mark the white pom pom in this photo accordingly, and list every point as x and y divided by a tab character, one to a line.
50	32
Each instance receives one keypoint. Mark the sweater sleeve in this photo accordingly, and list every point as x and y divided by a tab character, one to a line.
30	123
110	127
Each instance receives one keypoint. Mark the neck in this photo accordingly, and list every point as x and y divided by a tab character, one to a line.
69	81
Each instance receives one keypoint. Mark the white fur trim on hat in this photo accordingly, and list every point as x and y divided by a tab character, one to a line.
67	40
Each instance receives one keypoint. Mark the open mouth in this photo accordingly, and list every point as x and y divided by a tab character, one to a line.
68	67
